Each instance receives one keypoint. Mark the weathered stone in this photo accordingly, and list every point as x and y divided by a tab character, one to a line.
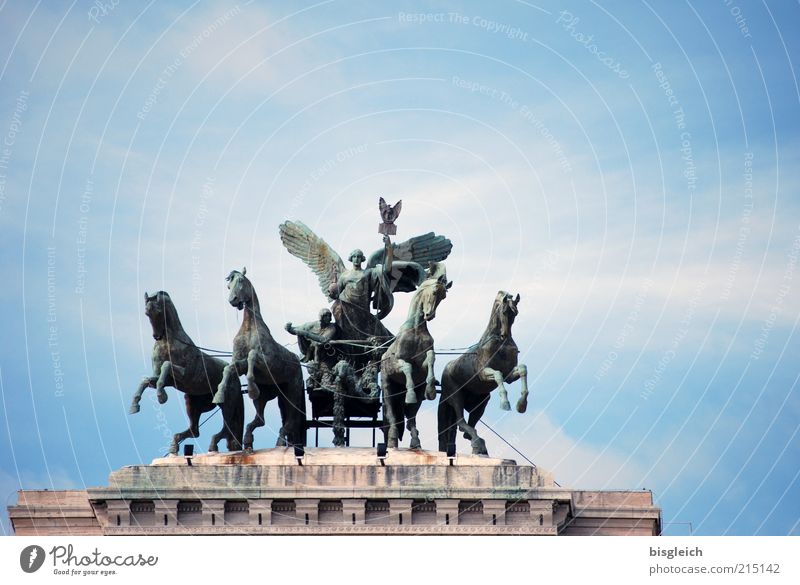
334	491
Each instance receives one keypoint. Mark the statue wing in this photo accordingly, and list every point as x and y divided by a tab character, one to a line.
420	249
303	243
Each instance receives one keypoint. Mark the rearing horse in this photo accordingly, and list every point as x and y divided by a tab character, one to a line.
178	362
272	370
467	382
407	365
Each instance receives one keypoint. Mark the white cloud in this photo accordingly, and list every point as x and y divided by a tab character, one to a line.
573	463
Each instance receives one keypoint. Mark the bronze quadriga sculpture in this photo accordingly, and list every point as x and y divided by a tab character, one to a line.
345	350
362	296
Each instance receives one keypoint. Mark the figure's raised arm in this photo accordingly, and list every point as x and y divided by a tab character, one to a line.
388	254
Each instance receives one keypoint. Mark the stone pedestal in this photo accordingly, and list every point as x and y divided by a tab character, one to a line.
334	491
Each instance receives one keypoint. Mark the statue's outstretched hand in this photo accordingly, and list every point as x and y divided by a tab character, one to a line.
289	328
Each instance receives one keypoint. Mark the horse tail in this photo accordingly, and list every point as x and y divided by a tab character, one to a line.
233	415
446	414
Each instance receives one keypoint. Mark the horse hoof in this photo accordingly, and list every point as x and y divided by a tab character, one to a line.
522	407
134	409
248	449
162	397
415	444
430	393
505	405
479	447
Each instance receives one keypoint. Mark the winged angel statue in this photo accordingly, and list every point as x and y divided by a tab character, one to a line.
394	268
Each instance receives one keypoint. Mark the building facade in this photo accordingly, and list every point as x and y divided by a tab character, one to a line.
333	491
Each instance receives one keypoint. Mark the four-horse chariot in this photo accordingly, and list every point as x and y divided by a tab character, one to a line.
359	374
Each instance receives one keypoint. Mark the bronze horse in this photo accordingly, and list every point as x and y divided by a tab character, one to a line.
272	370
178	362
467	382
407	365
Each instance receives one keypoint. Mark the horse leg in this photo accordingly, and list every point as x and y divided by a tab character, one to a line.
283	431
222	434
446	424
520	373
194	412
295	408
490	375
252	388
257	422
408	372
390	415
230	370
411	424
219	396
430	382
163	379
232	420
149	382
478	444
229	434
215	439
476	412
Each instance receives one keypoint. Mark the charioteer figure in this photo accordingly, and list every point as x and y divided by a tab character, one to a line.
314	338
357	291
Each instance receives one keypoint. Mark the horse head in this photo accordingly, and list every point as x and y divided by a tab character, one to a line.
162	314
241	289
433	294
505	307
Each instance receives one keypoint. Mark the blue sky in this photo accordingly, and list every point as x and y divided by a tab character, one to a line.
631	169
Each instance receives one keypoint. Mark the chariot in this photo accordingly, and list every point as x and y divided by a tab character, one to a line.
358	374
